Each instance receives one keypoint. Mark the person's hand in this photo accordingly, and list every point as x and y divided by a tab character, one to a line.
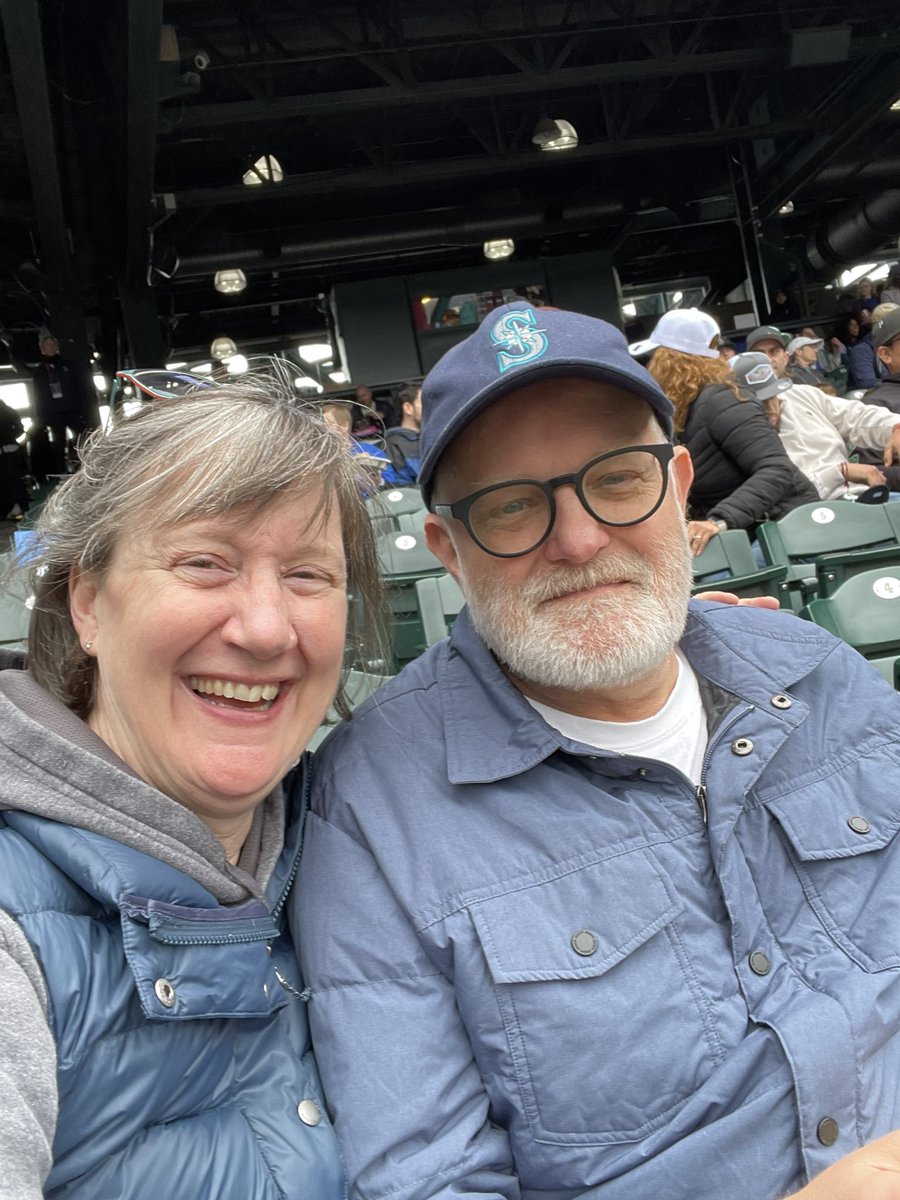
731	598
871	1173
892	447
699	534
865	473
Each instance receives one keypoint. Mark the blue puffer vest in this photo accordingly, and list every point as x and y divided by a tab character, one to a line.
184	1061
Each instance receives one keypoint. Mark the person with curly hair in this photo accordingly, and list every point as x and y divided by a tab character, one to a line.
742	474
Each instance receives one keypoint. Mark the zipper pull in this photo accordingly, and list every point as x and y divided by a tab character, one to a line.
701	800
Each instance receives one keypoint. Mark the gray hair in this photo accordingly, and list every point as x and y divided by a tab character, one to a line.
233	446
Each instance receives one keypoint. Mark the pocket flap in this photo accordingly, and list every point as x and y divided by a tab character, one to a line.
820	824
606	909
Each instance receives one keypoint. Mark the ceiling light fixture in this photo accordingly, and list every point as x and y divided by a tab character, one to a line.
786	209
222	348
230	282
500	248
337	376
554	135
315	352
895	107
265	170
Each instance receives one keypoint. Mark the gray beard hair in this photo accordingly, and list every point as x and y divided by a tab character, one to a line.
595	642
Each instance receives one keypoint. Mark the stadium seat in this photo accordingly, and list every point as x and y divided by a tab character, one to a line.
387	506
801	537
864	611
358	685
440	601
727	564
15	607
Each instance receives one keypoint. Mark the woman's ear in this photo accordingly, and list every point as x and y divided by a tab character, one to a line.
82	604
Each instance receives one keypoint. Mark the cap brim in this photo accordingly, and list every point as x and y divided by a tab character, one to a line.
636	349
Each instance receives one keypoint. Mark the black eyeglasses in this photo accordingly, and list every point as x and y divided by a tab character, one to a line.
622	487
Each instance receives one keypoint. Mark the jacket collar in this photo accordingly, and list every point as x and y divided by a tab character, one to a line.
492	732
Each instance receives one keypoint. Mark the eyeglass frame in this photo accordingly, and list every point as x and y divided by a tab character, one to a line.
663	452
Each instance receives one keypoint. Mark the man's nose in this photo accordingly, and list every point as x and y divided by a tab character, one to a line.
576	535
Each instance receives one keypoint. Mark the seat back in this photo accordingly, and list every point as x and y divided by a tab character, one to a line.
728	564
864	611
440	603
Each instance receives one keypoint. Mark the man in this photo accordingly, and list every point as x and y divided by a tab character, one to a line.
402	441
803	364
618	920
816	428
61	403
339	415
886	340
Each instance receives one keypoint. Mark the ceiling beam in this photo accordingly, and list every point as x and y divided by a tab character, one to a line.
142	75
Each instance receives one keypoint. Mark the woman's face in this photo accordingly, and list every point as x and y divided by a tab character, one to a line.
219	645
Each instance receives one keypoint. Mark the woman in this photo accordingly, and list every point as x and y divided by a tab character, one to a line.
742	474
187	637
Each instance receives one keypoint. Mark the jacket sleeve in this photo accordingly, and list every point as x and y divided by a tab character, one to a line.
868	426
861	362
740	431
27	1070
406	1095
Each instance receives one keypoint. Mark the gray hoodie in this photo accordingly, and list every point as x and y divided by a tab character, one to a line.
53	765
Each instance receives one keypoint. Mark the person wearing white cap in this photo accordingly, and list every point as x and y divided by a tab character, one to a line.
803	365
742	474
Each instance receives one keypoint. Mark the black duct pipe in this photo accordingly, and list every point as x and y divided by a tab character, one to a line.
853	233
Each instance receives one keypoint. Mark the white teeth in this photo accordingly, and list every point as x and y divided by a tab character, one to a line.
249	693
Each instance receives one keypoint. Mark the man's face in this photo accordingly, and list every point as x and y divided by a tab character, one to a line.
890	356
593	607
772	409
49	347
806	355
413	410
778	356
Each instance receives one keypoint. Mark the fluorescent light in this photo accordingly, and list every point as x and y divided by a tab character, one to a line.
678	297
852	274
100	383
337	376
237	364
555	135
895	107
786	209
16	396
175	366
499	248
7	367
315	352
266	169
230	281
629	310
202	369
304	384
104	415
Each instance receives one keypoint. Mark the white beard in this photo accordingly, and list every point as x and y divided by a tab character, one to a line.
590	642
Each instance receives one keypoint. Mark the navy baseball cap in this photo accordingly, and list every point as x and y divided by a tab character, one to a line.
516	345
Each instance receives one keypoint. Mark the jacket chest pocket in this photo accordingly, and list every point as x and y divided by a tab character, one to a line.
605	1024
843	844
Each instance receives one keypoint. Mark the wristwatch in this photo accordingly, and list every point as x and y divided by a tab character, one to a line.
719	523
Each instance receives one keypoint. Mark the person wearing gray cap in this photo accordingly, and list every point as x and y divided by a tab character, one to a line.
581	912
803	366
816	428
886	394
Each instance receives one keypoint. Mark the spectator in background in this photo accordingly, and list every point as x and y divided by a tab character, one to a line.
866	297
13	493
339	415
803	366
784	307
742	474
891	291
402	442
815	429
61	403
727	350
863	364
886	394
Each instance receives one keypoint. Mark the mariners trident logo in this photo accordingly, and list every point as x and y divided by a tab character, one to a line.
520	339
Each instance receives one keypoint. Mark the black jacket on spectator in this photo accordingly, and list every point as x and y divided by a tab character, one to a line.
887	395
742	474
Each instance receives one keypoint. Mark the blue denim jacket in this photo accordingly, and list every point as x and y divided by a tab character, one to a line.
540	970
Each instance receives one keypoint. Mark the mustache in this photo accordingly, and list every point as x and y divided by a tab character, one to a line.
611	569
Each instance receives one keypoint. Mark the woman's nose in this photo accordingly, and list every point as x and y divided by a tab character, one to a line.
260	621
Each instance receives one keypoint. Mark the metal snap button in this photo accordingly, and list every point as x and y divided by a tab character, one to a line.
309	1112
759	963
165	993
584	943
859	824
781	701
741	747
827	1131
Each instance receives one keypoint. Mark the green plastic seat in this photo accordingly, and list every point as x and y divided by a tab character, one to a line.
801	537
864	611
730	552
440	603
387	506
15	607
404	556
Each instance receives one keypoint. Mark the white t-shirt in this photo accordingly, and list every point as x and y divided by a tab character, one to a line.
675	735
